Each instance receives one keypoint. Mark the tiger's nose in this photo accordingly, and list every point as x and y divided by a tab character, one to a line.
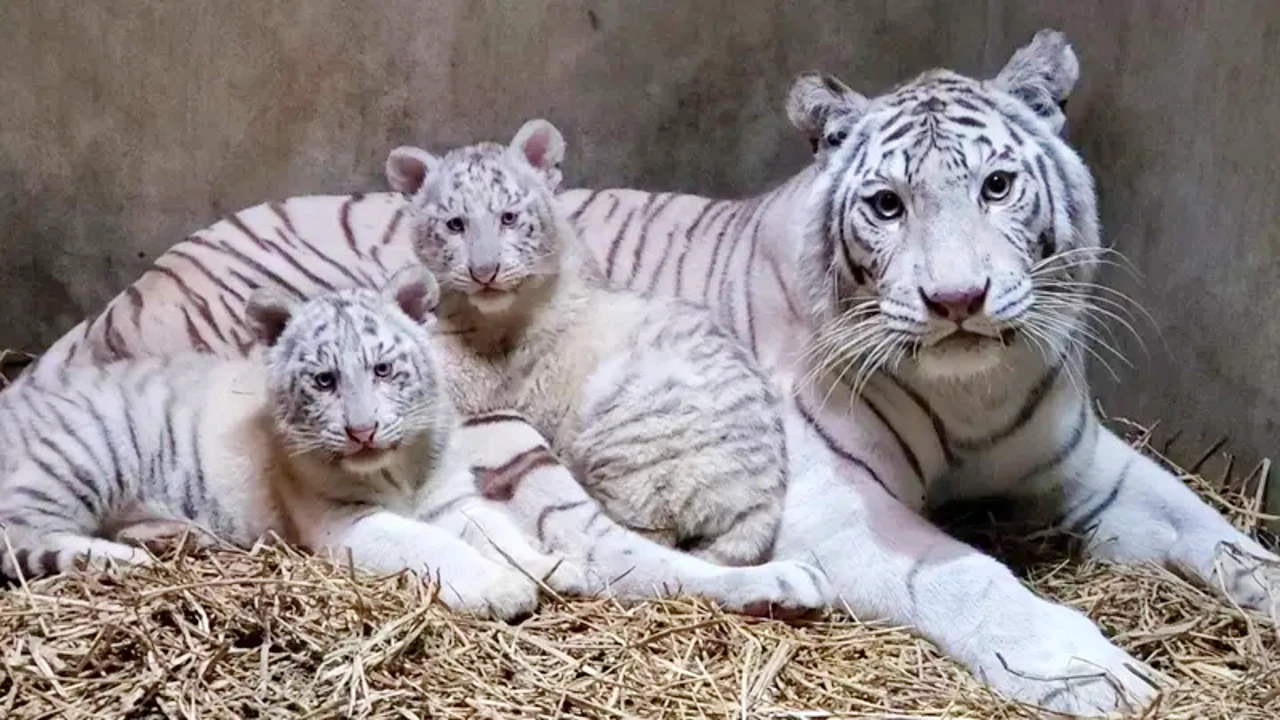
956	305
362	435
483	273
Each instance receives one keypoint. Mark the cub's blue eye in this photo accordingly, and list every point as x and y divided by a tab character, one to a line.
455	224
382	369
508	219
324	380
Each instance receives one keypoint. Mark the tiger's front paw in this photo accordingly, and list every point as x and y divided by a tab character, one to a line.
1252	580
494	591
559	573
779	589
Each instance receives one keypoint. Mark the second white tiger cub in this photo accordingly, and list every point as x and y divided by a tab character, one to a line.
664	417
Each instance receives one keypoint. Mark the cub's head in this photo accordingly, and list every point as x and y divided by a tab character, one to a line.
485	218
350	374
951	230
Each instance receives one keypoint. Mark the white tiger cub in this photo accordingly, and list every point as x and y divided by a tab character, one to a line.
666	419
340	438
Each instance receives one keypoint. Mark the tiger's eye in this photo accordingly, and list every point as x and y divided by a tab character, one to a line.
382	369
887	205
324	380
997	186
455	224
508	219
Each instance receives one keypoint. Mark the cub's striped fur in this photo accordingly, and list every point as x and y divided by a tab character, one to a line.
668	420
515	466
820	282
338	437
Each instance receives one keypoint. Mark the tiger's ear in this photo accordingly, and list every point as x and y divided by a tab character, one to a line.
542	146
408	167
1042	75
817	103
415	291
269	313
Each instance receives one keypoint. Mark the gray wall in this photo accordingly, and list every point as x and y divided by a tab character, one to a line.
124	125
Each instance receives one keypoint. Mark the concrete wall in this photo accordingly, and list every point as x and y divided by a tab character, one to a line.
125	124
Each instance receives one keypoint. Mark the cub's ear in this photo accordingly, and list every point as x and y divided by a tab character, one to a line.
542	146
408	168
1042	75
820	106
269	313
415	291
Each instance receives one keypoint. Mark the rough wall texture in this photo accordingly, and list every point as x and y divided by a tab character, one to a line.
124	125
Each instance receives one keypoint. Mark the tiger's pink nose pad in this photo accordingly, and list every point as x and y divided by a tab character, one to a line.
956	305
483	274
362	435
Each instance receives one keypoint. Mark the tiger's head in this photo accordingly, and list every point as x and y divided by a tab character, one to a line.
951	231
351	377
485	220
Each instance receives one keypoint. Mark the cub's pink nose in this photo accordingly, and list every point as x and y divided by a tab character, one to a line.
956	305
483	273
362	435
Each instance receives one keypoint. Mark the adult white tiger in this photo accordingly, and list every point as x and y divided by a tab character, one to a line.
822	266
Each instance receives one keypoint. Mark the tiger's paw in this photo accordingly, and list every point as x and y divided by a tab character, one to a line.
1062	663
779	589
497	592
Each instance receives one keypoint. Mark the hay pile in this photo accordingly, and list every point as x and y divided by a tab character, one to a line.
272	633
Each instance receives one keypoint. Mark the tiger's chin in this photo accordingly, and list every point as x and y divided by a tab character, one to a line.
367	461
492	302
961	356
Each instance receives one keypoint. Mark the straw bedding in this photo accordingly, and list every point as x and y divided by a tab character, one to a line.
271	633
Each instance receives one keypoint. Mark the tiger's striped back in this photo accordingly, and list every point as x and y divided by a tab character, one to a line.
193	297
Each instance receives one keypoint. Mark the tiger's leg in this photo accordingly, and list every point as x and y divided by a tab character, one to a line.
1132	510
886	562
553	507
386	542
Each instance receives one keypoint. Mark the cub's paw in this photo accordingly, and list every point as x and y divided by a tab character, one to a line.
495	591
779	589
1064	664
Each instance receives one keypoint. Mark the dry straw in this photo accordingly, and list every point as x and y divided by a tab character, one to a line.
273	634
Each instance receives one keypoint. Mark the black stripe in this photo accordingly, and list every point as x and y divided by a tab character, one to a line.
902	443
105	431
77	492
1073	442
643	241
550	510
48	505
344	218
196	482
583	207
617	241
217	281
1037	395
835	448
198	301
939	429
1084	522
